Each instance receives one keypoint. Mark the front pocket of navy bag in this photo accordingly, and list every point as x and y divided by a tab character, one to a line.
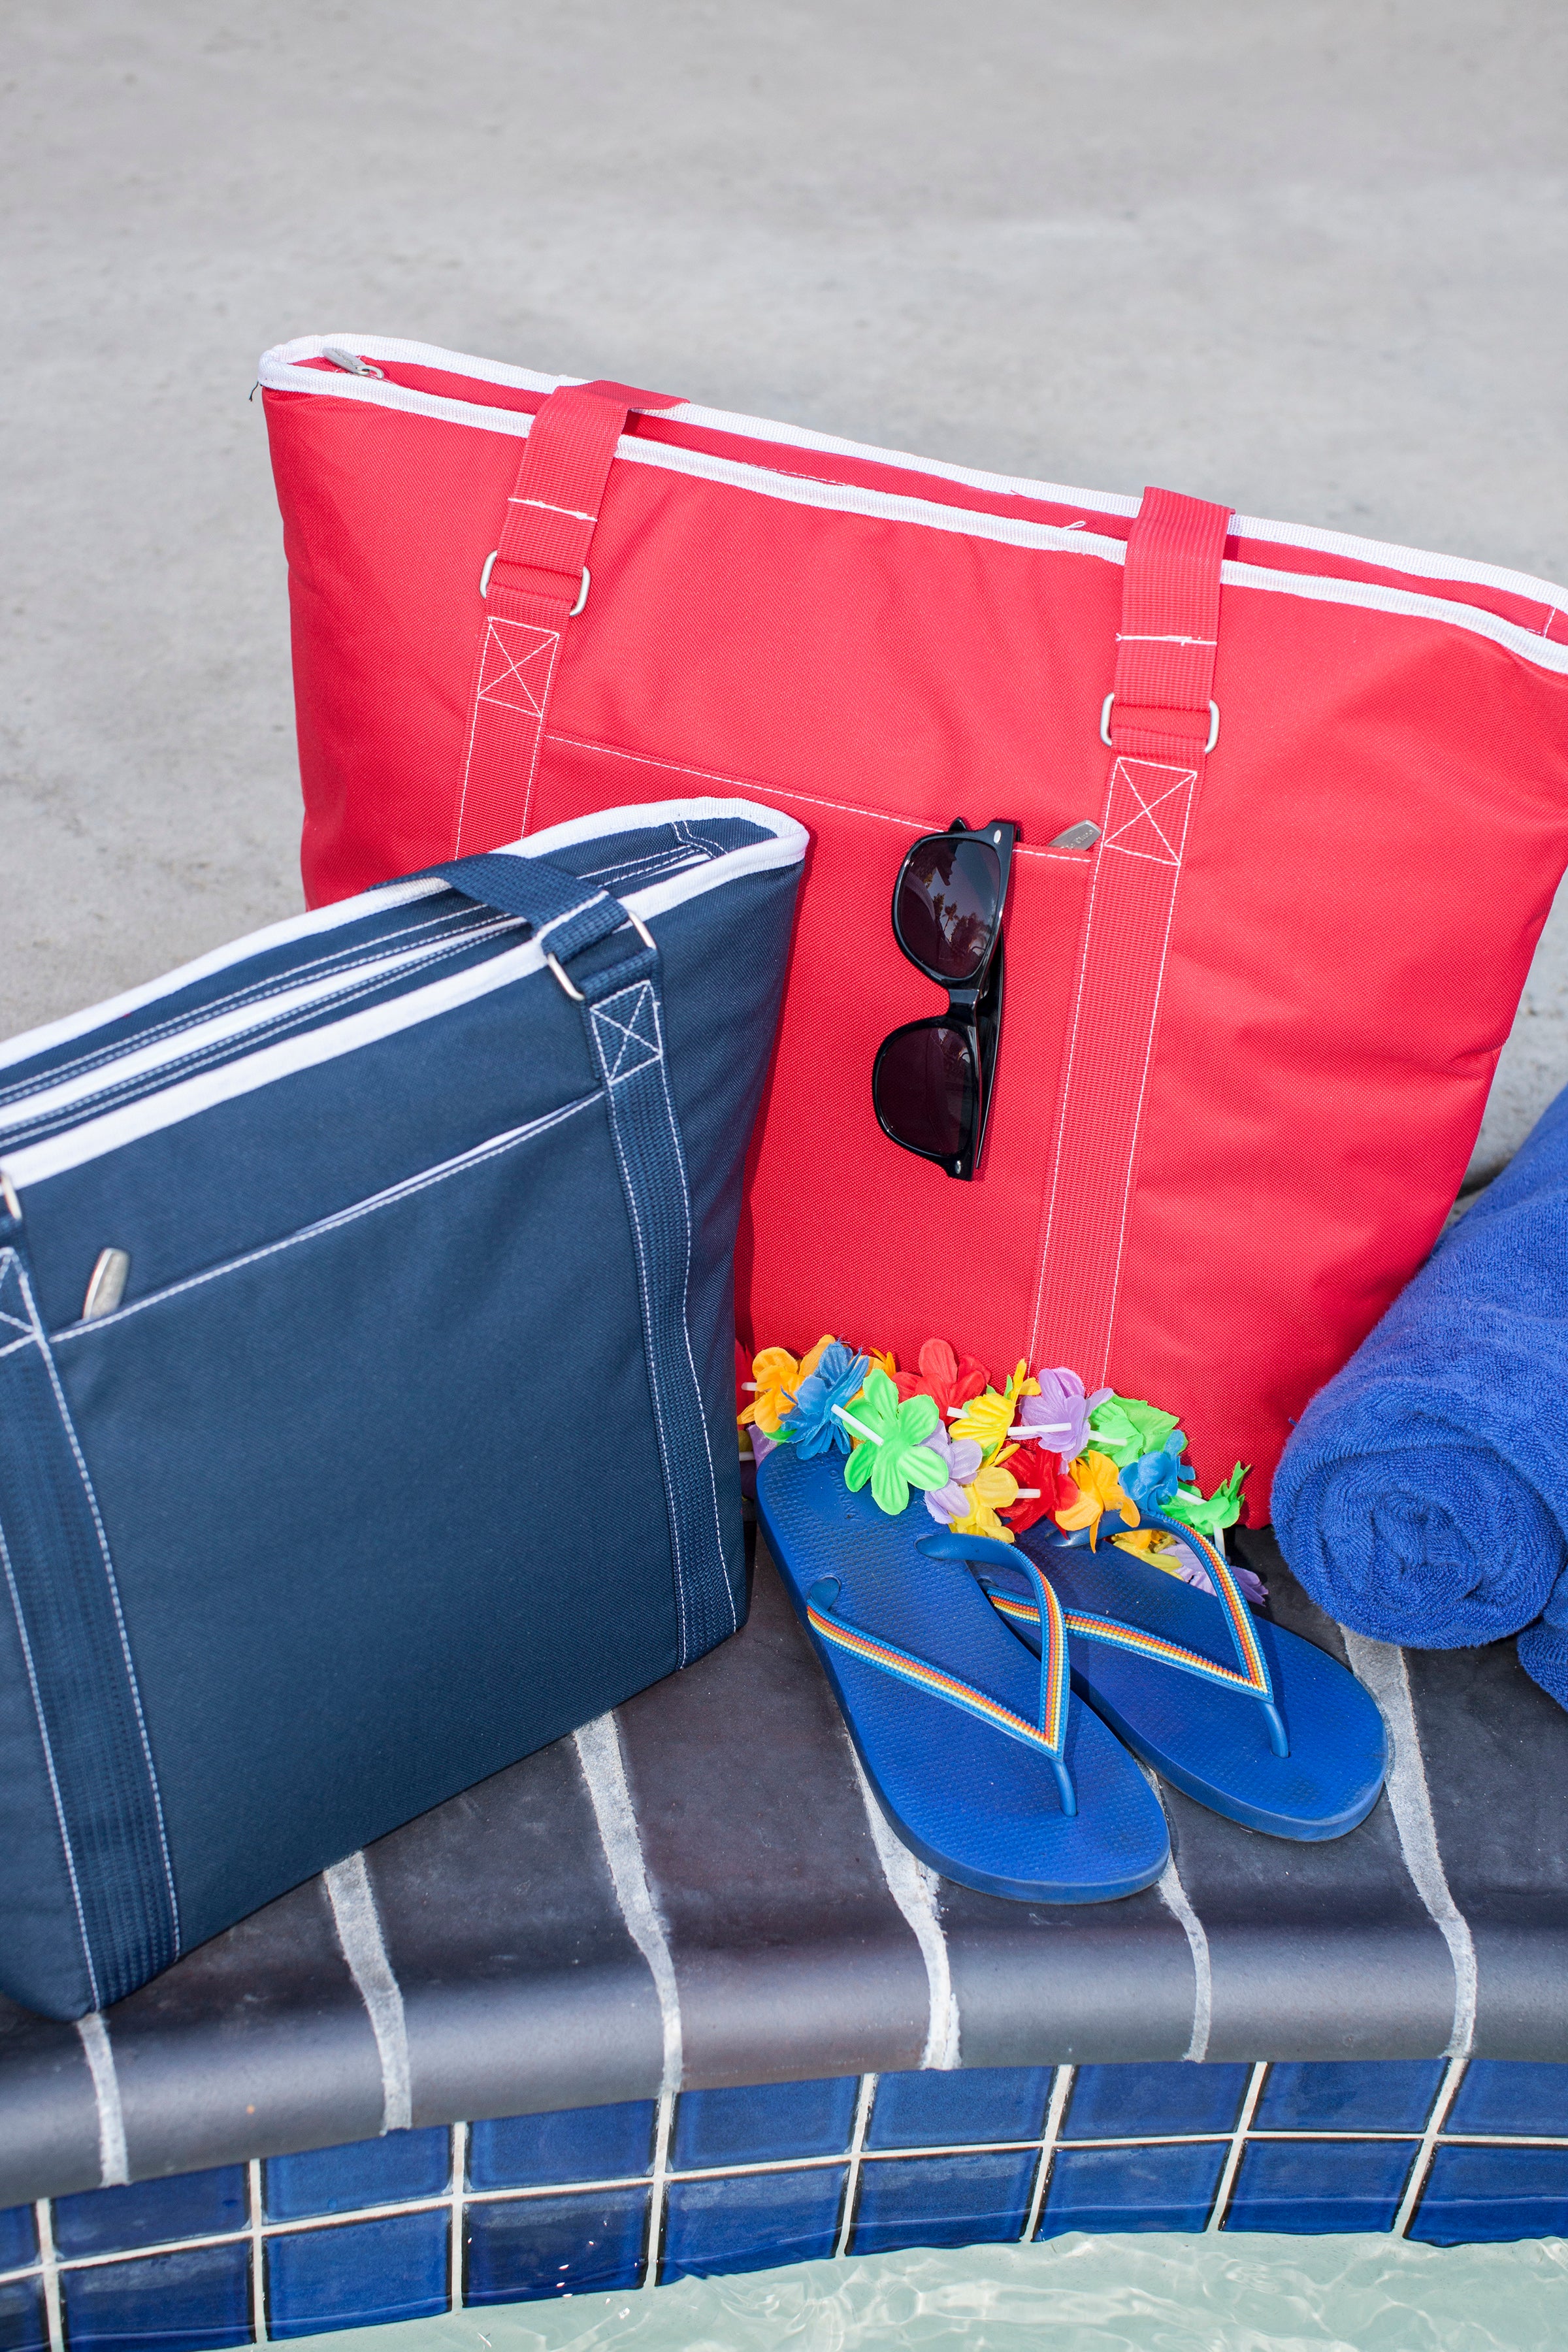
384	1504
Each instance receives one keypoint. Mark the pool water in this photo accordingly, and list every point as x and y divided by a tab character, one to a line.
1153	2293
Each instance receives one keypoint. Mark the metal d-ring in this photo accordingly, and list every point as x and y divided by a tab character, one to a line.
638	926
490	566
1105	725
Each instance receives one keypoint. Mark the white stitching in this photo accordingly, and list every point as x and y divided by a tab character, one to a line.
551	645
1190	781
49	1768
685	1295
387	1199
628	1032
645	1292
576	514
513	665
1068	1075
114	1093
111	1580
346	960
783	792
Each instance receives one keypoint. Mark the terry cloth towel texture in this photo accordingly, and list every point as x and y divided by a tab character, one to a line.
1424	1498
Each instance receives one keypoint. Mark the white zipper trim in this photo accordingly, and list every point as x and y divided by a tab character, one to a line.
22	1048
279	371
142	1061
1546	653
34	1163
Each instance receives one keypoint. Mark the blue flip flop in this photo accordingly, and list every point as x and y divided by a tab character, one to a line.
982	1764
1252	1721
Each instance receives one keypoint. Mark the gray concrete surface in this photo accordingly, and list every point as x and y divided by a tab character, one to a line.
1304	256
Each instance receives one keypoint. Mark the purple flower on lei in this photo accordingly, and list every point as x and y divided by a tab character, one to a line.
962	1457
1059	1417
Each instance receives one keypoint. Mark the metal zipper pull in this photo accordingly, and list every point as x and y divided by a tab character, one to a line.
1082	836
351	362
107	1286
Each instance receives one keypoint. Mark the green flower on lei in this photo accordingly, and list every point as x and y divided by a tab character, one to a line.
894	1458
1222	1509
1126	1428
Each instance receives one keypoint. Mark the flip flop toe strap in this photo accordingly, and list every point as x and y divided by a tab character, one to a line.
1046	1737
1250	1674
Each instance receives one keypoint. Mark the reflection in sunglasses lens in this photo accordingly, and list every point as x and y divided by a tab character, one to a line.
947	904
925	1088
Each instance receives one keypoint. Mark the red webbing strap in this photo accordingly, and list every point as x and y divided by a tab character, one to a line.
536	576
1160	723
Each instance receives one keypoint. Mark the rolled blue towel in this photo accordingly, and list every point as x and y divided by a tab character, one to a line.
1422	1498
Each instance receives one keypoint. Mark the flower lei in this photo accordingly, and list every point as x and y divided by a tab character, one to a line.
986	1460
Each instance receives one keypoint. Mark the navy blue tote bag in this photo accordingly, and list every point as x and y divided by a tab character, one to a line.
366	1371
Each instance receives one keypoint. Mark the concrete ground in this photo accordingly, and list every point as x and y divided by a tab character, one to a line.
1305	257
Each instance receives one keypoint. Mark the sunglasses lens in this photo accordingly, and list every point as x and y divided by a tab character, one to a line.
925	1088
947	899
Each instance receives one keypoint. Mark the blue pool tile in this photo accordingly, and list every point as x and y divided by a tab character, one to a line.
752	2222
165	2303
1101	2189
556	2245
573	2144
775	2120
1318	2186
356	2273
187	2205
943	2200
1389	2094
973	2104
18	2238
1506	2094
362	2172
1493	2193
1128	2102
23	2325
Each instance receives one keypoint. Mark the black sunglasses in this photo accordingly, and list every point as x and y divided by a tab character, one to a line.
931	1082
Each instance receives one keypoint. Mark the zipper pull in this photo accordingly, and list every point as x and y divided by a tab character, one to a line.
106	1286
351	364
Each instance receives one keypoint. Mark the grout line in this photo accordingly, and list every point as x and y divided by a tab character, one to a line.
257	2251
662	2129
1447	2092
113	2164
51	2264
460	2173
44	2221
602	1765
1381	1669
863	2099
915	1888
1237	2143
358	1925
1061	2087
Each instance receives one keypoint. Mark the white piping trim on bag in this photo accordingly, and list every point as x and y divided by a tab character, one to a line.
279	371
35	1162
22	1048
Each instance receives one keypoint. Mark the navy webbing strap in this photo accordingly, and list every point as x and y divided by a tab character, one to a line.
59	1585
623	1014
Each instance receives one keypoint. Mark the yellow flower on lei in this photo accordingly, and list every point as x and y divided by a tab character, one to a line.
1150	1544
988	1418
989	1491
1099	1487
777	1376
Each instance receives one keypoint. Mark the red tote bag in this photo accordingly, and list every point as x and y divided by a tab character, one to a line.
1248	1033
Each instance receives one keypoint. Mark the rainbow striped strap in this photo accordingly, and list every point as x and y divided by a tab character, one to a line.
1238	1616
1048	1735
1253	1673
